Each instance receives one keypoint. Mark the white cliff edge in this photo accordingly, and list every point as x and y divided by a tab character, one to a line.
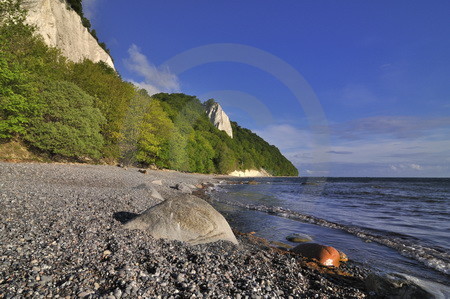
61	27
220	119
250	173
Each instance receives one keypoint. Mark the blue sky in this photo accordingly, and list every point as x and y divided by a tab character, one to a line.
343	88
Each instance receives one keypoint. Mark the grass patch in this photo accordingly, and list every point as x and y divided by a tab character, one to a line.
17	151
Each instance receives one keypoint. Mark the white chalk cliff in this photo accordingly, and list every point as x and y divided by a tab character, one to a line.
220	119
250	173
61	27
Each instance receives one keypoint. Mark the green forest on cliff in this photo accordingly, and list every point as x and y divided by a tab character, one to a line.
85	111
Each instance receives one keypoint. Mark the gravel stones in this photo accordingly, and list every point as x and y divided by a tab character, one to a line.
66	221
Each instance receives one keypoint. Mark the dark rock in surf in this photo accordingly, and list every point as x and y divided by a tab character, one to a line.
393	286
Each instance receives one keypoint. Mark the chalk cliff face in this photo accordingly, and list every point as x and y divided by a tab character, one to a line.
250	173
61	27
219	118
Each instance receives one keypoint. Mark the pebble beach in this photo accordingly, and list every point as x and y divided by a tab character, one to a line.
62	236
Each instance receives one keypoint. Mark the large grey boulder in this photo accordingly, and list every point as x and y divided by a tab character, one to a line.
187	218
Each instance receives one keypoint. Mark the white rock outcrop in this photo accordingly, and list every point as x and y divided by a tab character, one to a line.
61	27
220	119
250	173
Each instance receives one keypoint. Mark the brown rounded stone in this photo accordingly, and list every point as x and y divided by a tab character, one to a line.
325	255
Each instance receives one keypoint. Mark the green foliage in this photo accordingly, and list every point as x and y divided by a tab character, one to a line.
77	6
209	150
111	95
86	110
154	134
255	152
67	124
26	64
15	106
11	13
131	127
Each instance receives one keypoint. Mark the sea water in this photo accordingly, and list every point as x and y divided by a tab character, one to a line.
390	225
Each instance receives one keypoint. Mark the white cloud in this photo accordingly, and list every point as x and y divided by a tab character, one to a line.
155	79
395	126
416	166
310	172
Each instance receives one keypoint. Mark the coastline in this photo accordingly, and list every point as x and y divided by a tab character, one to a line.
62	234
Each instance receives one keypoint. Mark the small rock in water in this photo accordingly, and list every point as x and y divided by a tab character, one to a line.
144	171
299	238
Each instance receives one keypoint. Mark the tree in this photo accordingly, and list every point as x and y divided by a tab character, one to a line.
155	132
67	124
16	105
132	125
111	95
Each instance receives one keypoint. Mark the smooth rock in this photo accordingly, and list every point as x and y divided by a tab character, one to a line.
155	194
186	218
325	255
118	293
299	238
184	188
157	182
46	278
